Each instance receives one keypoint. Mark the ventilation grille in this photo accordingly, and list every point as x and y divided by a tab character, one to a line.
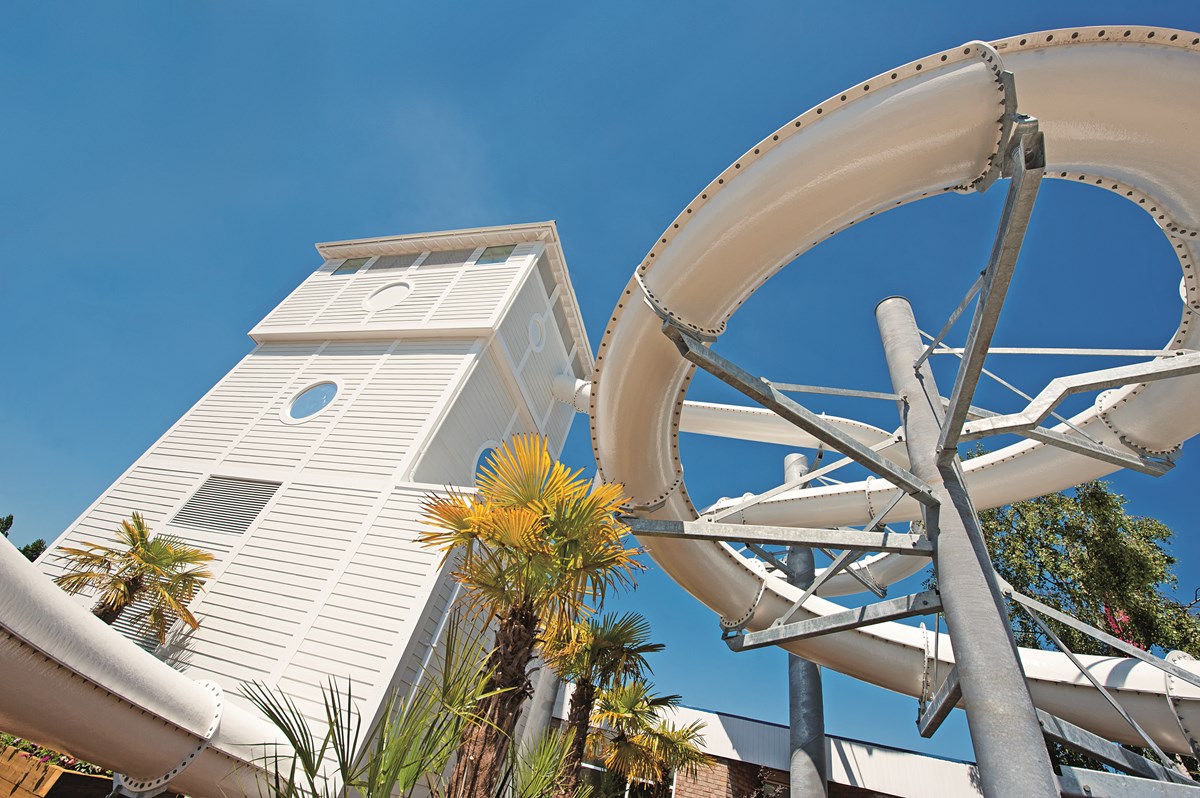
226	504
453	257
392	262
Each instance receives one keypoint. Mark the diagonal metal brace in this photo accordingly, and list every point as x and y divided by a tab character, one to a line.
1060	388
1083	783
925	603
883	540
1096	634
762	392
1098	748
1026	162
938	709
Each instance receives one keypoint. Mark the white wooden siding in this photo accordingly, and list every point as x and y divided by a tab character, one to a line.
444	295
385	419
271	442
371	608
219	418
485	410
514	330
250	615
429	285
308	299
153	492
477	294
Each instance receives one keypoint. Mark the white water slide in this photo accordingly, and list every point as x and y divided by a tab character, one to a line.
1120	110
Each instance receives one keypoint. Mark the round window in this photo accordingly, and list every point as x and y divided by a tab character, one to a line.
388	296
311	400
537	334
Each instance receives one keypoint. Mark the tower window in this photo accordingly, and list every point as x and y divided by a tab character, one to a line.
310	401
350	266
391	262
495	255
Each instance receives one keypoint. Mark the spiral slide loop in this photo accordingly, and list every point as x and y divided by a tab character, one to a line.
1120	109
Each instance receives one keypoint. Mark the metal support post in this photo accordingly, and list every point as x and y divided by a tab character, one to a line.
1012	757
806	711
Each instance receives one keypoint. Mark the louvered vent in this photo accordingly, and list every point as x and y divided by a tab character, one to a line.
226	504
392	262
453	257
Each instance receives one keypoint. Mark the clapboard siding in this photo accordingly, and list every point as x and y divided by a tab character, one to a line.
271	442
379	428
215	423
308	524
514	330
366	602
539	370
476	295
428	288
153	492
483	412
307	301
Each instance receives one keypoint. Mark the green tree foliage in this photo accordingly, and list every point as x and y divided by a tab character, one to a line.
409	750
536	547
598	654
161	569
634	741
1083	554
31	550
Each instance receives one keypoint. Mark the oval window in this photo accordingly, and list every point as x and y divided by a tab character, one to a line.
311	400
537	334
388	296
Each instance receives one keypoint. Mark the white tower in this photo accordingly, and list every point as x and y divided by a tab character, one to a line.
383	376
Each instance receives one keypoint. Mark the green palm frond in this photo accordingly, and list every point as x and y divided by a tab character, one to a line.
163	570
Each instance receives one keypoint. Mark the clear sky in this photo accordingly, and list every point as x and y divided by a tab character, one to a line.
166	169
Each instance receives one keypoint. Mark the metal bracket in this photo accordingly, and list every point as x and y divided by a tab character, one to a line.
1027	162
148	788
762	392
948	694
1173	702
893	542
925	603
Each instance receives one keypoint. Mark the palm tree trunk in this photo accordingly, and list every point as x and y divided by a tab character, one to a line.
578	723
485	740
107	612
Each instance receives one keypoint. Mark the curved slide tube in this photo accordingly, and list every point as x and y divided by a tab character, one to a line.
73	683
1119	108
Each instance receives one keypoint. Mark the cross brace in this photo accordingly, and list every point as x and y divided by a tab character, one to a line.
925	603
1103	637
893	542
1098	748
1080	783
769	397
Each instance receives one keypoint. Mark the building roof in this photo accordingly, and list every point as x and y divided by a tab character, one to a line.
880	768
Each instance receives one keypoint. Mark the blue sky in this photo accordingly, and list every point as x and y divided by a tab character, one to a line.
166	169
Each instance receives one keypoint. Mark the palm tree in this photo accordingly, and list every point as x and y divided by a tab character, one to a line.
636	743
162	570
601	654
534	545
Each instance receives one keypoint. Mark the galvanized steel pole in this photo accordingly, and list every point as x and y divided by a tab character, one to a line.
1012	757
806	711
